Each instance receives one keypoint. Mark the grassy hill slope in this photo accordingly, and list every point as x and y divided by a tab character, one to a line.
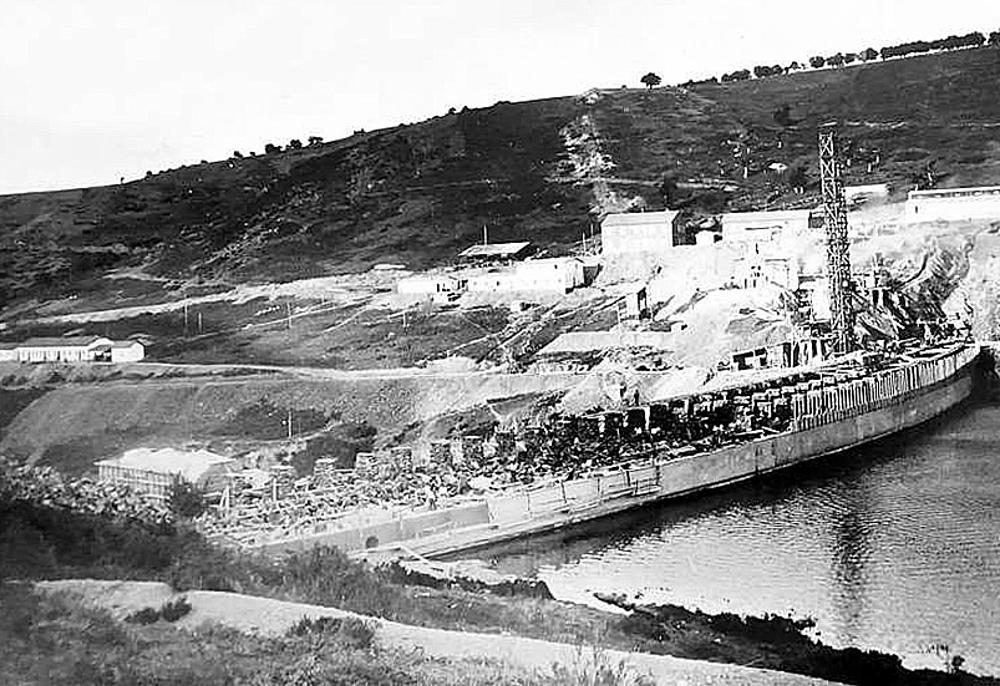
541	170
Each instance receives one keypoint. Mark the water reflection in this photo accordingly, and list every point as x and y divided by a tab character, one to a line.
894	547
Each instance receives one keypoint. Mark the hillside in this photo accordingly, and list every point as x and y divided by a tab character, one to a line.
541	170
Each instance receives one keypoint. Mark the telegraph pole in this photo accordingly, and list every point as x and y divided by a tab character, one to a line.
838	259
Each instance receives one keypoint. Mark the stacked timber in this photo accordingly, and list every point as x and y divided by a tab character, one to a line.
283	478
364	463
440	452
323	471
401	457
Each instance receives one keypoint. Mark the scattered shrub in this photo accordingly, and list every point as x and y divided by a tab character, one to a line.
175	609
349	631
146	615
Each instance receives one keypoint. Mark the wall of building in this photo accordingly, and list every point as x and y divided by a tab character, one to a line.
131	353
425	285
653	237
953	205
761	227
52	354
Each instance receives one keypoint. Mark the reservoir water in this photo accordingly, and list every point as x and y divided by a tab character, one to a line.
895	546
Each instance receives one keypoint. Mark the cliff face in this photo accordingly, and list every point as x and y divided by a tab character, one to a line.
543	171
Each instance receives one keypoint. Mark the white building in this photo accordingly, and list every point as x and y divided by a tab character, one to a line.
491	281
561	274
127	351
953	204
426	284
65	349
154	472
78	349
556	274
8	352
761	227
639	232
706	237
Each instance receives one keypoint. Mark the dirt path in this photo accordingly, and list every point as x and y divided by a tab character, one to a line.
274	617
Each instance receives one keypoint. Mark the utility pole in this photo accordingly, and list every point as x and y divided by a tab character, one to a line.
185	319
201	328
838	259
289	423
486	239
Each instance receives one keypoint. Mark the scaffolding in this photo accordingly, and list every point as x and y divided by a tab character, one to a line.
838	259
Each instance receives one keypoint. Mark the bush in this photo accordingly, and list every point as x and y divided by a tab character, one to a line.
146	615
348	631
173	610
186	500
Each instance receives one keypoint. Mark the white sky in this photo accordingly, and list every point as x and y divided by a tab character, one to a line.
97	89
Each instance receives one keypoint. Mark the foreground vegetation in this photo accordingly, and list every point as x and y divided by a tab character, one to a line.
40	539
52	640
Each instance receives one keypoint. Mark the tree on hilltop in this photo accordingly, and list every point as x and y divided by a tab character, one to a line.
836	60
271	148
869	54
294	144
817	61
315	140
650	80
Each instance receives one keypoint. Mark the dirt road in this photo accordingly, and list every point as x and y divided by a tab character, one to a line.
274	617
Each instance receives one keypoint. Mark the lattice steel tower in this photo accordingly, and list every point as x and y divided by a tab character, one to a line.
838	259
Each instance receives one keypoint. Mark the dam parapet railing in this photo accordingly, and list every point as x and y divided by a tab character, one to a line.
646	469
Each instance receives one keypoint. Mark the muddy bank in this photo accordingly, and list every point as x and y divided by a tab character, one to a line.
772	642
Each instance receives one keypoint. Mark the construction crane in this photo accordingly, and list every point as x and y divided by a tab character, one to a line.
838	259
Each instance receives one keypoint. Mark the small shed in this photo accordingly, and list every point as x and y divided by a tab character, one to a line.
155	471
127	351
8	352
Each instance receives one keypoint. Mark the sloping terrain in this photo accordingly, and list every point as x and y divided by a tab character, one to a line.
541	170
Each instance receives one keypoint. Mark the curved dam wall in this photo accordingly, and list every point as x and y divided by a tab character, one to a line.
843	418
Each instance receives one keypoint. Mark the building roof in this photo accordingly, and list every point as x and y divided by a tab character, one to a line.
9	346
189	464
125	344
946	192
494	249
62	342
638	218
767	215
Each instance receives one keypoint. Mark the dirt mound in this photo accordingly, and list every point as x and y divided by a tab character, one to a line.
87	422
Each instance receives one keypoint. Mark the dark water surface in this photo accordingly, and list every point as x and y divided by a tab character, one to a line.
894	547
